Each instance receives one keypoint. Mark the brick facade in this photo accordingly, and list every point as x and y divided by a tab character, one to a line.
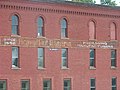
78	71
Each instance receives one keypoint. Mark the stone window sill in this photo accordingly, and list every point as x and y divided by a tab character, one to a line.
113	67
41	68
92	68
13	35
41	37
64	38
64	68
16	68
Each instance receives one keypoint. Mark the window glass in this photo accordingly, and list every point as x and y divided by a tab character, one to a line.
114	83
3	85
40	27
64	58
67	85
92	57
15	57
15	24
92	84
113	58
47	85
25	85
113	53
63	28
40	57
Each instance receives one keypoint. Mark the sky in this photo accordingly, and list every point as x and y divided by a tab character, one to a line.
117	1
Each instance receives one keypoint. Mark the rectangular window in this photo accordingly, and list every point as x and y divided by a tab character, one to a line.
92	57
113	58
47	84
64	58
92	84
67	84
3	85
25	85
15	57
41	57
114	83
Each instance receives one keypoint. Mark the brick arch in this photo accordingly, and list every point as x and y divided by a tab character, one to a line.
92	29
40	15
113	30
64	17
17	14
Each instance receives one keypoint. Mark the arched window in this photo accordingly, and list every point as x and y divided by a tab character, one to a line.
113	31
40	25
15	25
64	28
92	32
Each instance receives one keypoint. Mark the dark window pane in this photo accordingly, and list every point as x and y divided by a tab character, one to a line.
92	82
67	84
113	81
92	88
113	53
2	85
92	57
92	62
25	85
113	62
114	88
46	85
113	57
92	53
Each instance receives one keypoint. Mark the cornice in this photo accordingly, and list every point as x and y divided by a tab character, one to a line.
51	10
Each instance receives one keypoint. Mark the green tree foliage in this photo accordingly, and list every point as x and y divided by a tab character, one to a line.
84	1
108	2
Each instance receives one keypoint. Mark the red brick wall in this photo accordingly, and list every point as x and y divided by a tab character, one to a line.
78	59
